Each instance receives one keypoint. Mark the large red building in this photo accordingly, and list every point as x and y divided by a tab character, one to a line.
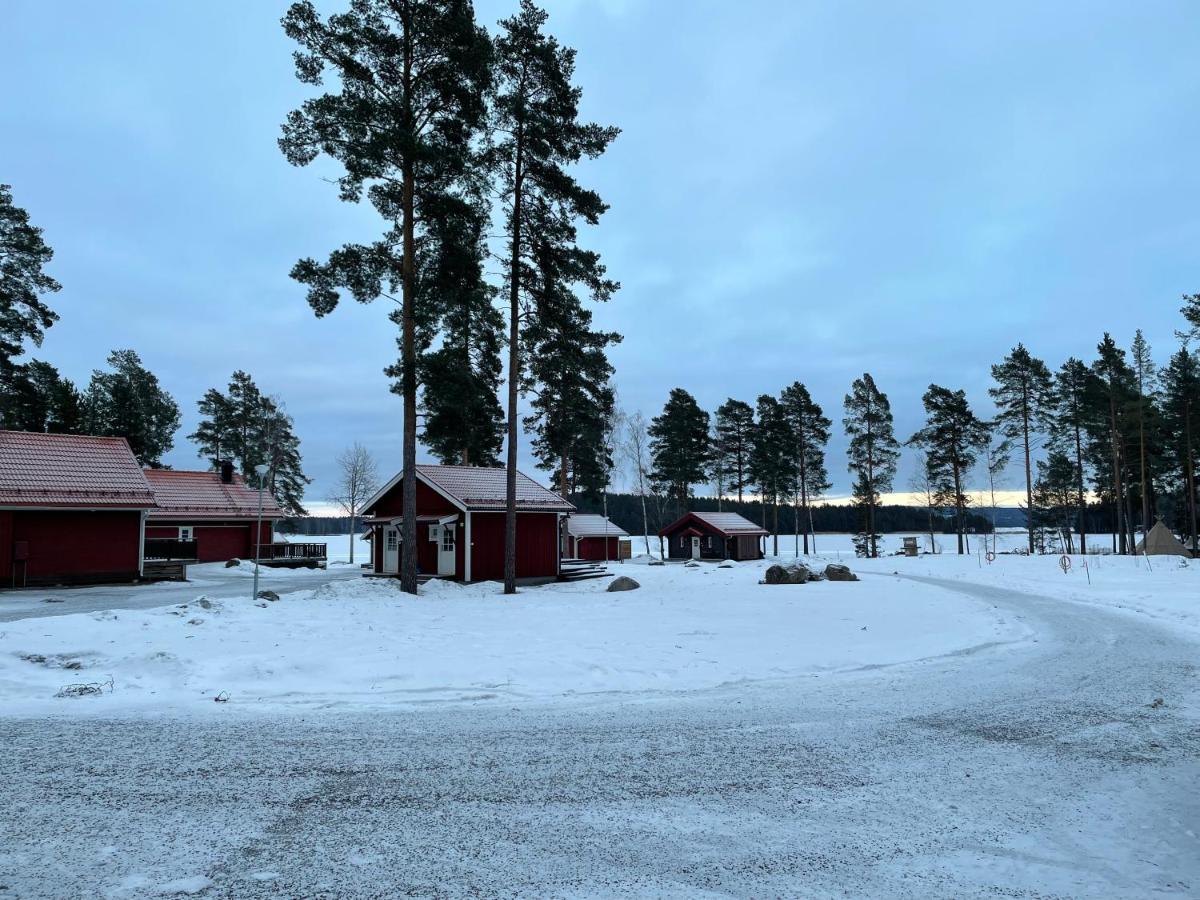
215	511
72	509
460	525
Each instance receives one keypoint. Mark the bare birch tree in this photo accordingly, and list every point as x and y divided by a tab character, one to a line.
358	479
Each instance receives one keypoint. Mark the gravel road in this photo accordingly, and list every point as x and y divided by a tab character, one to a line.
1065	767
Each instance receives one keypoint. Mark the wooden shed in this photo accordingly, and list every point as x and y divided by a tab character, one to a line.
713	535
72	509
460	525
594	537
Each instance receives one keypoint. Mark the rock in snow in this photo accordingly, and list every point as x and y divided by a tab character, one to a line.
796	573
623	583
835	572
268	595
232	563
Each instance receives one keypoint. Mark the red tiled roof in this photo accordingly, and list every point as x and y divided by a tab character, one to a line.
728	524
70	471
479	487
202	495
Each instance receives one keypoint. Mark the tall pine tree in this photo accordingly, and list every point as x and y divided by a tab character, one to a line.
680	448
953	438
412	76
773	463
1074	411
1115	394
538	138
34	397
734	432
810	431
873	451
1145	380
24	316
1023	394
128	402
1180	409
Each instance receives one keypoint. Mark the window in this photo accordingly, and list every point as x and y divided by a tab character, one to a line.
448	539
185	533
708	542
393	539
682	541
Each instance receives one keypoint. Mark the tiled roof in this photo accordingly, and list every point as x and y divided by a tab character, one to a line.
729	523
477	487
70	470
202	495
587	525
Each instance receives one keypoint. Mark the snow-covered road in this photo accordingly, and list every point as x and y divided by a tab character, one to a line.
1065	767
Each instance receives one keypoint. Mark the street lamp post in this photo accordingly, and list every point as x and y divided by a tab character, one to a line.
261	472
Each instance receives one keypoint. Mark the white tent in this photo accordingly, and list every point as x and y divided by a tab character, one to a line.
1159	541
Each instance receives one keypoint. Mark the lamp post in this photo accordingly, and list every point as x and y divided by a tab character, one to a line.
261	471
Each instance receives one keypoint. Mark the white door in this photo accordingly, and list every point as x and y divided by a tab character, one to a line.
695	548
446	551
391	551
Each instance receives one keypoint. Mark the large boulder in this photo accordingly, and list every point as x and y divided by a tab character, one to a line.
623	583
835	572
793	574
232	563
268	595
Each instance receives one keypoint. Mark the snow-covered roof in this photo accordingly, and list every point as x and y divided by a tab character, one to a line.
585	525
728	524
70	470
479	488
202	495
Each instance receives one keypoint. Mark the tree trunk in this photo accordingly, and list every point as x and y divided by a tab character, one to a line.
353	534
1190	478
1118	487
1082	494
1142	462
408	370
1028	473
514	374
958	509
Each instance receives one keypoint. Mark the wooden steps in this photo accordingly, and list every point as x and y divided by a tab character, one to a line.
580	570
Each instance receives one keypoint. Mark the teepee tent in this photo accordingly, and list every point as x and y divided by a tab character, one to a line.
1160	542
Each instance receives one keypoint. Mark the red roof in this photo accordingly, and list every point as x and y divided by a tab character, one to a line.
727	524
70	471
480	488
202	495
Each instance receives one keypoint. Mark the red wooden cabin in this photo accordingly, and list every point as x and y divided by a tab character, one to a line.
207	516
72	509
588	534
460	525
713	535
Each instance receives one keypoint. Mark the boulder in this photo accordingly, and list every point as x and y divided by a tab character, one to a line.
268	595
656	562
691	564
793	574
835	572
623	583
232	563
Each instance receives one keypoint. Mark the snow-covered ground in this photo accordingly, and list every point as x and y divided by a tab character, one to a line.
361	641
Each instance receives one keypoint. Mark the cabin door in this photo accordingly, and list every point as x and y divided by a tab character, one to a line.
391	551
446	551
695	547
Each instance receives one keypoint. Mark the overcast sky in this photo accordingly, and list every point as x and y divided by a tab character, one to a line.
800	191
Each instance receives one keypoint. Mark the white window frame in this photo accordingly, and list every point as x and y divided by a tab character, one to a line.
187	532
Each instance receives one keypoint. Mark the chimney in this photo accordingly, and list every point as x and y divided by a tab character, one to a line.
226	471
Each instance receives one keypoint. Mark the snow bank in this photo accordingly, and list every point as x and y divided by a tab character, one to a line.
362	642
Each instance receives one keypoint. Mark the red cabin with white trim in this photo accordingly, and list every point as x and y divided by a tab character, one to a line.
460	525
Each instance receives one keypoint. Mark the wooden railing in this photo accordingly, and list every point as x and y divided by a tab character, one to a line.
168	549
291	551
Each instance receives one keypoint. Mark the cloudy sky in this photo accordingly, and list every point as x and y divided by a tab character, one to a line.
801	191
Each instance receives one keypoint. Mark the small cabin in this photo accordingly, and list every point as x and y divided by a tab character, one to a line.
207	516
72	509
460	525
713	535
594	538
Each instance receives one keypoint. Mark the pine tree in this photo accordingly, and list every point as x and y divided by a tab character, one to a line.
1074	410
1054	497
734	428
535	118
34	397
1145	379
1180	409
463	420
413	76
996	457
1023	395
679	448
128	402
23	281
773	463
1115	384
953	438
1191	312
873	451
251	429
810	430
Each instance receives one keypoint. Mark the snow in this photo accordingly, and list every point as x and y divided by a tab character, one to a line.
361	642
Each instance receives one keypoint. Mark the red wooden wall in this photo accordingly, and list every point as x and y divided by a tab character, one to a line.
215	541
593	548
537	545
71	545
